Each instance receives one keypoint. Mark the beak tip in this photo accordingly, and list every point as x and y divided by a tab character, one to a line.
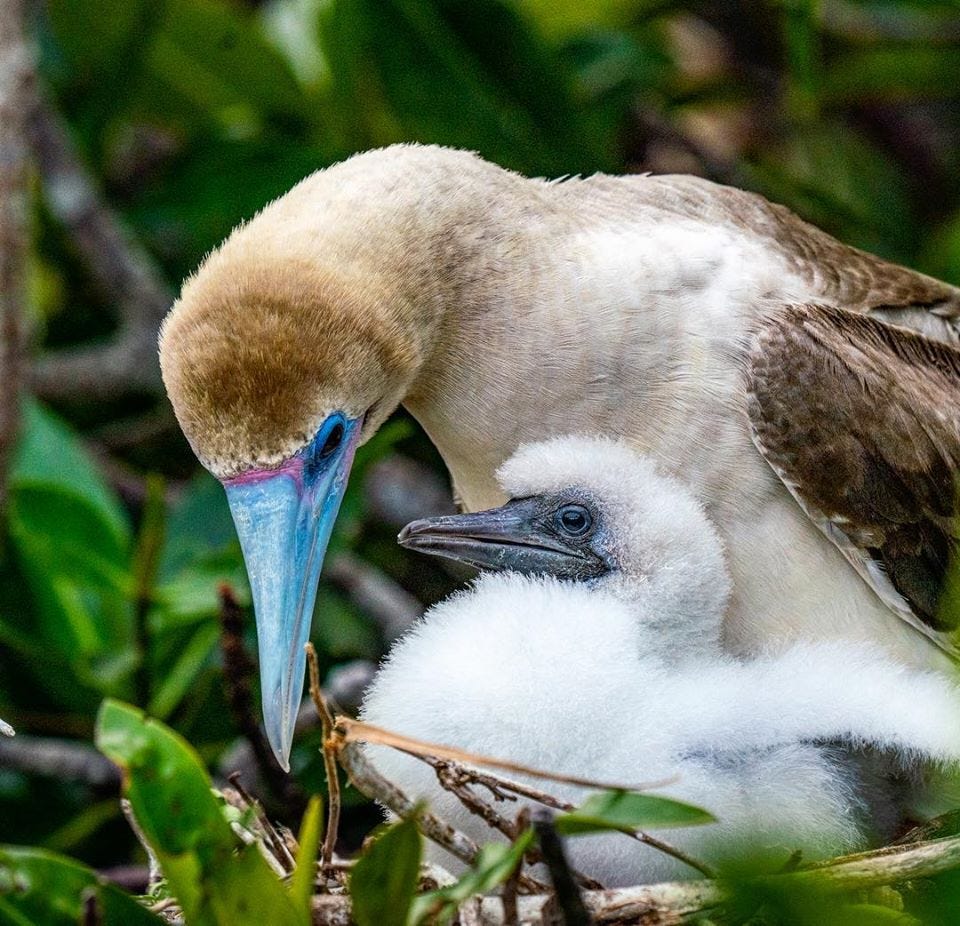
280	745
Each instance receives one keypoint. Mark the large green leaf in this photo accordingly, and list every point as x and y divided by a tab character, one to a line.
217	880
628	810
38	887
79	579
50	452
219	58
384	880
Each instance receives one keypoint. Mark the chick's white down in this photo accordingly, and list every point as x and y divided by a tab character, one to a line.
623	679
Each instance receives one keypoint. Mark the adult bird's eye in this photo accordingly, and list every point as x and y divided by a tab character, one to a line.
574	520
333	441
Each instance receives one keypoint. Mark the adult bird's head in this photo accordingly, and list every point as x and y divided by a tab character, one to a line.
290	345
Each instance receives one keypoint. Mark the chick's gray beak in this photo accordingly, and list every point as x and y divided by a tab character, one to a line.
514	538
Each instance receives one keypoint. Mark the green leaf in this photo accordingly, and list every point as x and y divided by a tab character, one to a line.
79	579
40	887
384	880
49	452
628	810
198	523
220	59
217	880
179	677
311	832
495	863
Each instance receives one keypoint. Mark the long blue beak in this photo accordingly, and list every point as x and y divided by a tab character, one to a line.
284	518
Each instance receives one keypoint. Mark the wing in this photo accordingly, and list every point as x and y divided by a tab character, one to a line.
860	420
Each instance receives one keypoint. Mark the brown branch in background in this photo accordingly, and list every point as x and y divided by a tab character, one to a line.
17	81
329	760
391	607
238	672
118	265
134	879
62	760
565	888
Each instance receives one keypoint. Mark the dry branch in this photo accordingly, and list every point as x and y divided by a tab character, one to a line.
392	608
350	731
120	267
60	759
17	79
329	760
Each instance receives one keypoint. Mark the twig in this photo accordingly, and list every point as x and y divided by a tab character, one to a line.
512	884
329	760
92	915
371	783
365	732
155	874
17	79
275	841
349	730
135	879
124	272
238	672
457	779
564	886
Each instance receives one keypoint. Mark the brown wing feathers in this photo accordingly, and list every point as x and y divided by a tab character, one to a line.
859	418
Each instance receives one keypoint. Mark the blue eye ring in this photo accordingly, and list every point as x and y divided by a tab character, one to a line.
332	441
574	520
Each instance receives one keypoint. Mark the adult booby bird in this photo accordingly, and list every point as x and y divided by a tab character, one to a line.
736	344
598	654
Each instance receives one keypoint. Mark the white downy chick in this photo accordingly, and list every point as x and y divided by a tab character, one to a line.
596	652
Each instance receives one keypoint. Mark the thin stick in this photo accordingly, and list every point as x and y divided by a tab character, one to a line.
428	752
277	844
370	782
564	886
511	885
17	80
457	779
329	759
350	730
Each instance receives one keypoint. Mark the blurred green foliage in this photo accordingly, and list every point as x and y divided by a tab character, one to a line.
192	114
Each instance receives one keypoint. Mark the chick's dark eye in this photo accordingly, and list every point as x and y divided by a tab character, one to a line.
333	441
574	520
